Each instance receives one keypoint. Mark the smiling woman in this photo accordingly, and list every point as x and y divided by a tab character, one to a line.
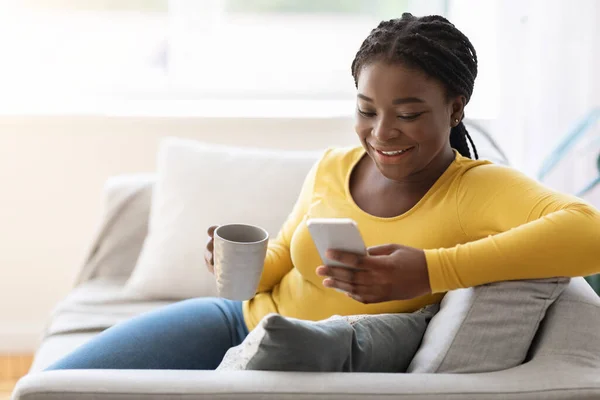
434	219
405	130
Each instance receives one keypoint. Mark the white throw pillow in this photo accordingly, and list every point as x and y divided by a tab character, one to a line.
486	328
199	185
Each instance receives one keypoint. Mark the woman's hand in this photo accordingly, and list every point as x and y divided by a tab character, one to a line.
208	252
386	273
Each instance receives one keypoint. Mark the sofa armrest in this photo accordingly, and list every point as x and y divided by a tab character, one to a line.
571	327
122	229
547	378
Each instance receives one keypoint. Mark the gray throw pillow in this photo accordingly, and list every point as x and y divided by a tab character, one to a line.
486	328
363	343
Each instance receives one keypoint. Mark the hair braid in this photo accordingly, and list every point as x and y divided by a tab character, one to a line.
434	45
458	140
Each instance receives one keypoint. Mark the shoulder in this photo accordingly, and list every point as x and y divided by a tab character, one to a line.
485	174
484	180
343	154
340	159
332	169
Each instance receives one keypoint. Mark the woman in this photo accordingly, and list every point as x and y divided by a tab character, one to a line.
452	222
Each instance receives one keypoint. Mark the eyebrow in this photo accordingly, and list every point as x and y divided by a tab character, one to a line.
401	100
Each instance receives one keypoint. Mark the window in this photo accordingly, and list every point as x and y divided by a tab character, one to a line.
138	50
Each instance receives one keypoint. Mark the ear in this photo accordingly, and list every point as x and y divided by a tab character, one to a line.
457	109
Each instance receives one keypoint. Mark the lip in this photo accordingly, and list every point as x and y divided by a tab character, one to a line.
397	149
388	159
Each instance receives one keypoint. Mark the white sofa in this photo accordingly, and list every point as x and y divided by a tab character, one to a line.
564	361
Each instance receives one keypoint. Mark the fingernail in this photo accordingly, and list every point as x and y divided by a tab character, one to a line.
327	282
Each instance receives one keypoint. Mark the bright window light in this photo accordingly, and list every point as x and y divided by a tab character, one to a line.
58	53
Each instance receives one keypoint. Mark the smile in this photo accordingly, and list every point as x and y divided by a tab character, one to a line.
387	156
393	153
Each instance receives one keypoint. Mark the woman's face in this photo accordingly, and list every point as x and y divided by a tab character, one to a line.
403	119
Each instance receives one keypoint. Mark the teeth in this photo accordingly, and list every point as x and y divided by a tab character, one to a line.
393	153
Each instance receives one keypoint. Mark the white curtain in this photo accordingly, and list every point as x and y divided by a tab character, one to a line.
545	55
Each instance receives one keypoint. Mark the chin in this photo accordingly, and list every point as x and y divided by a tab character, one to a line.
394	172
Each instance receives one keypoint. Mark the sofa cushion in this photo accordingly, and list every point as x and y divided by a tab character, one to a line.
122	230
96	305
486	328
361	343
90	308
199	185
53	348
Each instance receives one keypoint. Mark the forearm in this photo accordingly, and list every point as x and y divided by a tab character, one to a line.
562	243
277	264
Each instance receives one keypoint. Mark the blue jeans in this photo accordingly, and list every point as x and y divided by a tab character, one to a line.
191	334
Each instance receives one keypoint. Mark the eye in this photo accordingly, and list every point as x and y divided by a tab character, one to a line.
409	117
366	114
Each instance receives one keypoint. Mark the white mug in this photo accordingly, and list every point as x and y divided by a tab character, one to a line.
239	256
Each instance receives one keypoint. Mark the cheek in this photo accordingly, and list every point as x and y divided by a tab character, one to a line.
362	128
417	131
426	131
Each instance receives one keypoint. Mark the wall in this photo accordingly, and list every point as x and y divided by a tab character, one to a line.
52	170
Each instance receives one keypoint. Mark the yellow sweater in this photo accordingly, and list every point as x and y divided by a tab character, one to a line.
479	223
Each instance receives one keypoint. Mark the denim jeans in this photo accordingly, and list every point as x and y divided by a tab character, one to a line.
191	334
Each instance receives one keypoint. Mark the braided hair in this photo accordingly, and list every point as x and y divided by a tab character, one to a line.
434	45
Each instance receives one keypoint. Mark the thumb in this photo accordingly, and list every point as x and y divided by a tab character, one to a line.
383	250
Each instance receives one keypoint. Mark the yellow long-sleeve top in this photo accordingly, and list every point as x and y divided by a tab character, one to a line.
479	223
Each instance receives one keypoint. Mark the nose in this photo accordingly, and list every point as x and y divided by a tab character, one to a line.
384	129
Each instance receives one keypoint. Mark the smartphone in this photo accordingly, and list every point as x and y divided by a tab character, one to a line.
337	234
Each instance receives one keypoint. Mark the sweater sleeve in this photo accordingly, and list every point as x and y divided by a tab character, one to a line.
516	229
278	261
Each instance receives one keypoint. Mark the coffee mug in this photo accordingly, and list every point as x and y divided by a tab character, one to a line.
239	256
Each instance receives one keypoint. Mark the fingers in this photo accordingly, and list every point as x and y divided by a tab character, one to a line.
209	256
365	299
368	278
211	230
208	260
210	246
345	278
383	250
341	274
348	287
360	293
360	260
208	252
359	284
335	284
362	285
346	258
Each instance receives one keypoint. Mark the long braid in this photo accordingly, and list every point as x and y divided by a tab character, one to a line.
434	45
458	140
